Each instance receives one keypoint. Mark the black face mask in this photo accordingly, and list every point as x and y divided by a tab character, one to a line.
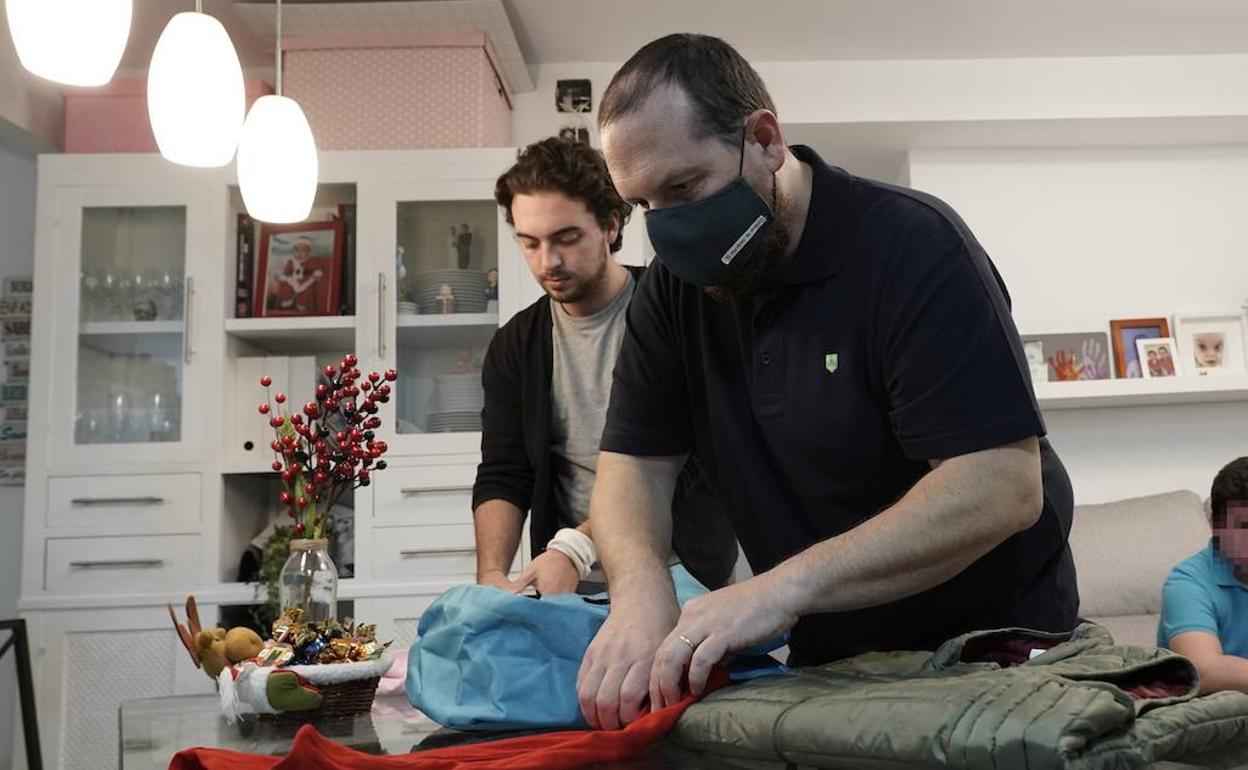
709	242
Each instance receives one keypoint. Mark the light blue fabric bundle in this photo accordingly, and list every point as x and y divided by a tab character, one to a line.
489	659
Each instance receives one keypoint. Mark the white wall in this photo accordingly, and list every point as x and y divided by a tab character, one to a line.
17	244
954	90
1081	236
1085	236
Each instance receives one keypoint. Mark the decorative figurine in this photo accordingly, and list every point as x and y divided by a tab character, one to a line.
491	290
446	299
452	247
463	246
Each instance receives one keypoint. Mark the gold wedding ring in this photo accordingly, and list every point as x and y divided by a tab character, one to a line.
687	641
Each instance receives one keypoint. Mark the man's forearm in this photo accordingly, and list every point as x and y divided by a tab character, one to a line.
1223	672
497	524
954	515
632	524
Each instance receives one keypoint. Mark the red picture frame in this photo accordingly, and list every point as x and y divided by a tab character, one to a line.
306	269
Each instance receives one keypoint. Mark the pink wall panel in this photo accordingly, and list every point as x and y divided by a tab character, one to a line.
113	118
399	98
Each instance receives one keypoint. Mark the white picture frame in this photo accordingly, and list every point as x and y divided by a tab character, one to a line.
1212	343
1165	365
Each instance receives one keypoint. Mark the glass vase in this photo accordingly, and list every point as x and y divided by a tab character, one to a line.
309	581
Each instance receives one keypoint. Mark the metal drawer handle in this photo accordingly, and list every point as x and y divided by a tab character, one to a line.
145	500
188	330
118	564
139	744
431	490
407	554
382	299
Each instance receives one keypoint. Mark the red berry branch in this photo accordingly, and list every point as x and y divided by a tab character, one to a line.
330	445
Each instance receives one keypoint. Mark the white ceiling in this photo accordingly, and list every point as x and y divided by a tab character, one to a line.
794	30
542	31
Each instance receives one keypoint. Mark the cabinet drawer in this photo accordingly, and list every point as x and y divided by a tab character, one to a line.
142	564
426	495
425	553
140	502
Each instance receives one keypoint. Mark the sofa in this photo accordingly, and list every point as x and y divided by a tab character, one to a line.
1123	553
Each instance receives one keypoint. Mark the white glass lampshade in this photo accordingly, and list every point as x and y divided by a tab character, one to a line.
277	164
75	42
195	96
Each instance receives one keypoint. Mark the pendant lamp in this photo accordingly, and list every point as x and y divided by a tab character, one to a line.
277	163
195	96
74	42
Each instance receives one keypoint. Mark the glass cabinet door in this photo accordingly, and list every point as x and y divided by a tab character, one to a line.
441	305
127	289
132	292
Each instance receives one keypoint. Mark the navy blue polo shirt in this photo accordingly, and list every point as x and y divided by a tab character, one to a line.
888	343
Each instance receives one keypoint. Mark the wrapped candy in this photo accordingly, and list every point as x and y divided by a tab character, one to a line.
297	643
308	652
275	654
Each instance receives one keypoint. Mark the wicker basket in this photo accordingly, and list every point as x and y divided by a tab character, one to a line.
338	700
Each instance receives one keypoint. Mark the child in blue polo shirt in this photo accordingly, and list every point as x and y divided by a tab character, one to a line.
1204	605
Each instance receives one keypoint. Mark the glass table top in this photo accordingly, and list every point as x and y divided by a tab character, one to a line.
152	730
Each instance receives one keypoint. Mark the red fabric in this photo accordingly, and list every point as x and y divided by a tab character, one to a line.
551	751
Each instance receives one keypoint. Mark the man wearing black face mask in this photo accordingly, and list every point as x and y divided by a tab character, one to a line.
841	355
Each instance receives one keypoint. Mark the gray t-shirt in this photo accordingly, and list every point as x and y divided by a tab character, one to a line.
585	350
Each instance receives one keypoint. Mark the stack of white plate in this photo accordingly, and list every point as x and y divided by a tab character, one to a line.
468	286
407	308
455	403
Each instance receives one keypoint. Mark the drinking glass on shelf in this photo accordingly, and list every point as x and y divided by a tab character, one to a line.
169	296
88	295
123	297
106	298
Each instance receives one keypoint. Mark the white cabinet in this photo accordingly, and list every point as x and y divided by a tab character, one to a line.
139	490
87	662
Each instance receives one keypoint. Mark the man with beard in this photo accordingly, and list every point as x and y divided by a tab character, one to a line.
840	354
547	380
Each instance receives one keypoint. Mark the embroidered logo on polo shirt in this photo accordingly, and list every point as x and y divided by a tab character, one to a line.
831	361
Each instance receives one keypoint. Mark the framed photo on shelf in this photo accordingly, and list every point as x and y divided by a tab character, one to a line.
299	269
1158	357
1067	357
1124	334
1212	343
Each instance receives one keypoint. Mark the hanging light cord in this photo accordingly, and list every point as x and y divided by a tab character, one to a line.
279	47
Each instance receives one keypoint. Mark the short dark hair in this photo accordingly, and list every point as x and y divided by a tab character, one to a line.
1230	485
720	83
572	168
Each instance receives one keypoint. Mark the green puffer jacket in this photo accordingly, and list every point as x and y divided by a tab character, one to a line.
993	699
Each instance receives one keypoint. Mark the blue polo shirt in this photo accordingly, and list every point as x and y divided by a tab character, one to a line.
1202	594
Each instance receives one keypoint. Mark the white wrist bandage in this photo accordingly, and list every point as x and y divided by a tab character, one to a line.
578	547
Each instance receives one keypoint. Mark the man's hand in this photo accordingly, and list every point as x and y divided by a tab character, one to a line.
552	572
612	683
729	620
496	579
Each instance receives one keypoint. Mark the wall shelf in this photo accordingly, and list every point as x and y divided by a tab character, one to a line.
1104	394
293	335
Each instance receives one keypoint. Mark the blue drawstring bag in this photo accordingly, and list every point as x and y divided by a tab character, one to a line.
486	659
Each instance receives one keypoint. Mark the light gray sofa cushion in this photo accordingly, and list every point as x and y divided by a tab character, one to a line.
1123	553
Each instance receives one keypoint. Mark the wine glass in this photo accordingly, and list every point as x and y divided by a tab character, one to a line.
106	299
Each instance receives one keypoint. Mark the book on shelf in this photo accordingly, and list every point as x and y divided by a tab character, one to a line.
245	250
346	212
